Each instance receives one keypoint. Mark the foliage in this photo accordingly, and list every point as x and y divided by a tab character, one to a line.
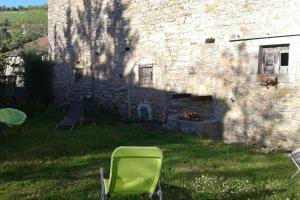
38	78
2	64
21	8
5	23
23	27
34	22
45	164
17	16
4	34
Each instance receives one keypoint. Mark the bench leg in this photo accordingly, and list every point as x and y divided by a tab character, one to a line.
22	130
295	174
72	128
81	121
56	127
5	134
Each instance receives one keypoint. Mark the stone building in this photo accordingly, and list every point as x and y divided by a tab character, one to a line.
238	60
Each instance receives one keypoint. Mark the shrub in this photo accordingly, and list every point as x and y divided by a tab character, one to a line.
38	79
2	64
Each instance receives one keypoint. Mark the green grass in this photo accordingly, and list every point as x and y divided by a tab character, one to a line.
46	165
12	16
17	16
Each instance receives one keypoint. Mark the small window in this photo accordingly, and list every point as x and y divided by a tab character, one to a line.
146	74
274	59
269	63
269	60
284	59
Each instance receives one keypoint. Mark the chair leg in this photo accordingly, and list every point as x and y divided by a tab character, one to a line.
22	130
56	127
5	134
104	197
159	192
102	187
295	174
296	166
81	122
72	128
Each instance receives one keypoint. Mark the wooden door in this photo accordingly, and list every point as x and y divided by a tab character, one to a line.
268	61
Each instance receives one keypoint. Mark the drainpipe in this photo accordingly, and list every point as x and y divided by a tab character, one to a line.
129	96
93	84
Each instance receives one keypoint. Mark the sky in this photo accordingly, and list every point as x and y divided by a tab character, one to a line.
10	3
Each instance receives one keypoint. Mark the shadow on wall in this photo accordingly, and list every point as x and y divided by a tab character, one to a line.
97	39
253	108
98	42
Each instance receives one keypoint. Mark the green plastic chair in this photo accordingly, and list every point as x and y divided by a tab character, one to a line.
134	171
12	117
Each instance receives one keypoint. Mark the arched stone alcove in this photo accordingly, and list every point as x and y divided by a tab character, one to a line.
146	84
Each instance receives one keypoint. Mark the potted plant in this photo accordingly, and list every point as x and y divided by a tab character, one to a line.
268	81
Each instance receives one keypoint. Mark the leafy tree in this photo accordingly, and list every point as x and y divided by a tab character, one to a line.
32	25
21	8
5	23
2	64
38	79
4	34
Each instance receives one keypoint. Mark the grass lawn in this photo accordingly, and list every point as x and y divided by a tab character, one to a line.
12	16
45	164
17	16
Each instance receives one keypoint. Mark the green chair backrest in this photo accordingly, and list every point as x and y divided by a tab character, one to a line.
12	117
135	170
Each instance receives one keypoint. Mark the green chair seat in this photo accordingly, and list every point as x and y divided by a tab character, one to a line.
134	170
12	117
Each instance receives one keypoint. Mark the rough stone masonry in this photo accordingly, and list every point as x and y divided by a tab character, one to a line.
132	54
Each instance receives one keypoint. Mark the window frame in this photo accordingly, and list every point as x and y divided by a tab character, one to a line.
276	59
287	59
141	74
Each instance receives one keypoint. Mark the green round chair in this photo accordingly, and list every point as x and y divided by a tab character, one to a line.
12	117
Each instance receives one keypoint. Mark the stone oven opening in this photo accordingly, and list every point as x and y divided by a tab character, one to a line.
187	115
189	107
193	114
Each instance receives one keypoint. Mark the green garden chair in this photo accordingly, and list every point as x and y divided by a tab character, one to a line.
295	156
10	117
134	171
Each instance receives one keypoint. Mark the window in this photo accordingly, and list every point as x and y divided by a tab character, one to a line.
284	59
146	74
274	59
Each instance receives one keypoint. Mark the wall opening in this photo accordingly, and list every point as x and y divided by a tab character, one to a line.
146	74
144	112
274	59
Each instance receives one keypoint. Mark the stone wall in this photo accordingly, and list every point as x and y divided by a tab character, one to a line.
108	40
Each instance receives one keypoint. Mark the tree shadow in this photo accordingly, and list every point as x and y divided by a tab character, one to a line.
99	42
175	192
252	106
98	39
